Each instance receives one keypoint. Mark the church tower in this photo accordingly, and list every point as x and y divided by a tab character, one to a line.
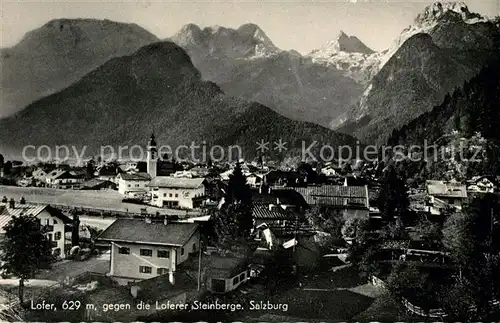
152	159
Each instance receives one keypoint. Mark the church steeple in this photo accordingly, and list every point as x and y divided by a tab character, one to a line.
152	141
152	158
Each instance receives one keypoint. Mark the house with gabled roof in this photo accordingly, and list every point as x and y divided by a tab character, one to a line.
482	184
352	201
443	194
51	220
62	178
129	183
176	192
146	248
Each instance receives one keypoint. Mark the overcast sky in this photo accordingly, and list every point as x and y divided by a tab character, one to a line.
300	25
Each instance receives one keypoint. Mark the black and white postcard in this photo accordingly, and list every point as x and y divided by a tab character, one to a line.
249	161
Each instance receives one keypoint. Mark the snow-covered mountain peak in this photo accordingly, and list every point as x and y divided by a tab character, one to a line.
436	11
348	44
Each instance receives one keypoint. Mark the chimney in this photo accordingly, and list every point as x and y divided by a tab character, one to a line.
12	203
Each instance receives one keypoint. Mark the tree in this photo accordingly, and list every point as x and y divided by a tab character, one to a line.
328	221
238	190
233	223
408	281
394	230
347	168
470	237
307	169
7	167
429	231
25	249
230	233
2	160
90	169
358	230
393	198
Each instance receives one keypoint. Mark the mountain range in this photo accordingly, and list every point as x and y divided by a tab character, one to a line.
64	77
446	46
59	53
156	89
245	63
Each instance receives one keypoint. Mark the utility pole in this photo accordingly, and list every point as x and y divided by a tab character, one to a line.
199	263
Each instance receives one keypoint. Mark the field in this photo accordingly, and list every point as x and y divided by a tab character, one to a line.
101	200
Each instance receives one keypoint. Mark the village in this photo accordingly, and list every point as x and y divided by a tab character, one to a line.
249	240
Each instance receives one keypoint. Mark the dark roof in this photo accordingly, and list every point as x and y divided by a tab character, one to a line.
155	233
109	170
136	177
262	212
333	195
175	182
289	177
94	182
225	266
356	181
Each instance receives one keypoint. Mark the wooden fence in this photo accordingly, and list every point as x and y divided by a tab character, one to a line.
432	313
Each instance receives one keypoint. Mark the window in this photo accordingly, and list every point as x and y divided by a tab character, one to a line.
54	222
146	252
163	254
136	185
169	194
124	250
128	185
194	247
162	271
47	222
182	251
236	280
57	236
243	276
145	269
164	194
176	195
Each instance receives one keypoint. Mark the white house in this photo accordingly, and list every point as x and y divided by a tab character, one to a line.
254	180
441	194
172	192
143	248
52	220
133	183
481	184
329	171
61	178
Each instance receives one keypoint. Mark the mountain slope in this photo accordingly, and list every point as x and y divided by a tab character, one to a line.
465	127
471	108
57	54
155	89
246	64
419	74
